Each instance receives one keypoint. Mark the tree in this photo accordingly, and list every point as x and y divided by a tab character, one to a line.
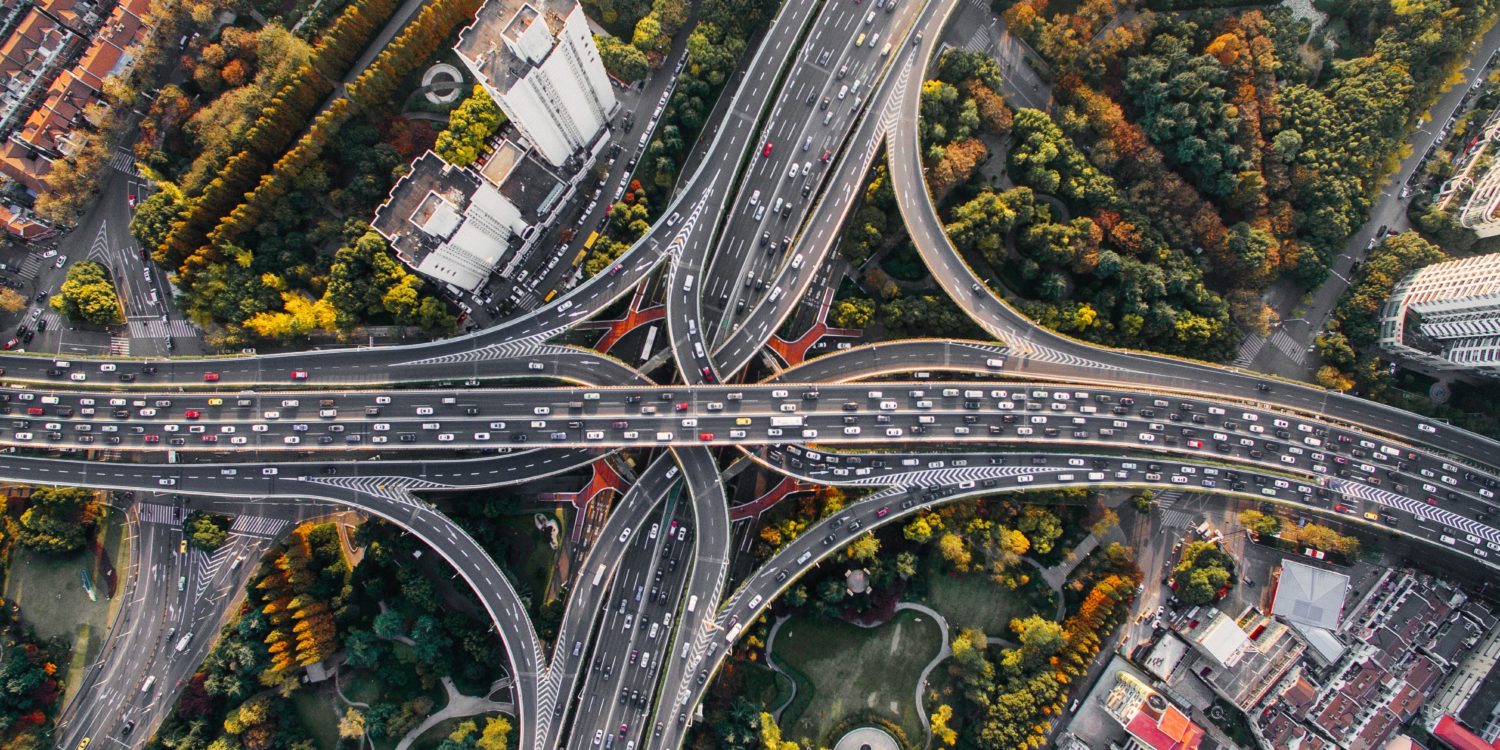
87	295
1107	521
864	548
770	735
853	312
623	61
1202	572
496	734
470	126
1259	524
1142	501
206	531
956	551
352	725
1333	379
57	519
939	725
12	301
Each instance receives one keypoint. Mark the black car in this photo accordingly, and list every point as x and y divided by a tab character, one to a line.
127	377
128	728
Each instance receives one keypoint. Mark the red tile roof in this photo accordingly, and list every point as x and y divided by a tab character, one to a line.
1173	731
1456	736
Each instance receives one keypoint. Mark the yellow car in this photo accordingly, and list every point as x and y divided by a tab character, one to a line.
83	743
216	402
742	421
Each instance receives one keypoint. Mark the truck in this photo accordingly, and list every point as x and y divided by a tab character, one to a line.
793	421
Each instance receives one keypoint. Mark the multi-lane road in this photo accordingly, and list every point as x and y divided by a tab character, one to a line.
647	621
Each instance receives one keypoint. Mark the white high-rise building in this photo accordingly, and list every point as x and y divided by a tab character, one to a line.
538	60
1447	316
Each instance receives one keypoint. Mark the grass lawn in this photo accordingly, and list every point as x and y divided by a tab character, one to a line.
49	589
973	600
315	711
762	686
855	669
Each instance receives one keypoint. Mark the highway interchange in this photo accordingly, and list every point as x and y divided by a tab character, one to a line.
648	619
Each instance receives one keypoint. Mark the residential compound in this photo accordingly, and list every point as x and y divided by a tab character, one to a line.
1315	676
54	60
457	225
1447	316
538	60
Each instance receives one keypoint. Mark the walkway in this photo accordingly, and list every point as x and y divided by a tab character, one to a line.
943	653
759	505
459	705
636	317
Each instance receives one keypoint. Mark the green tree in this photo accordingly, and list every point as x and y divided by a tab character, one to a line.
623	61
206	531
470	126
57	519
1202	572
88	295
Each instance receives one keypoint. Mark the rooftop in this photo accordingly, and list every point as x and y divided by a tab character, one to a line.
490	42
429	198
1310	595
528	183
1457	736
1219	637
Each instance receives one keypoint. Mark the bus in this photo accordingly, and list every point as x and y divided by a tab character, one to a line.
581	255
599	575
588	244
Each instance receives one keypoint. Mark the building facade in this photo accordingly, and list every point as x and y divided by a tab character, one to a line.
1447	316
538	60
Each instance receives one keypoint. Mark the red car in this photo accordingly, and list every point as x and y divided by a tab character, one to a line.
767	150
885	509
827	154
210	377
299	374
210	438
35	411
153	438
705	436
191	414
13	343
682	406
708	374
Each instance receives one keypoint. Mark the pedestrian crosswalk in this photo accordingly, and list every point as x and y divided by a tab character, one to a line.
156	513
260	526
1284	342
1177	519
1165	500
1249	348
158	328
119	346
124	162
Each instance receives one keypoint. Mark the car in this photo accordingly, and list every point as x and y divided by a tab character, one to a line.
50	254
106	368
1427	428
535	366
827	154
78	377
166	481
210	377
62	260
616	269
705	436
766	150
192	414
299	374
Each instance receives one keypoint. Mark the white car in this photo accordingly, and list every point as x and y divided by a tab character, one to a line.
1025	479
481	436
78	377
291	440
893	432
167	482
535	366
446	437
423	411
260	428
238	440
542	411
1426	428
106	368
62	260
